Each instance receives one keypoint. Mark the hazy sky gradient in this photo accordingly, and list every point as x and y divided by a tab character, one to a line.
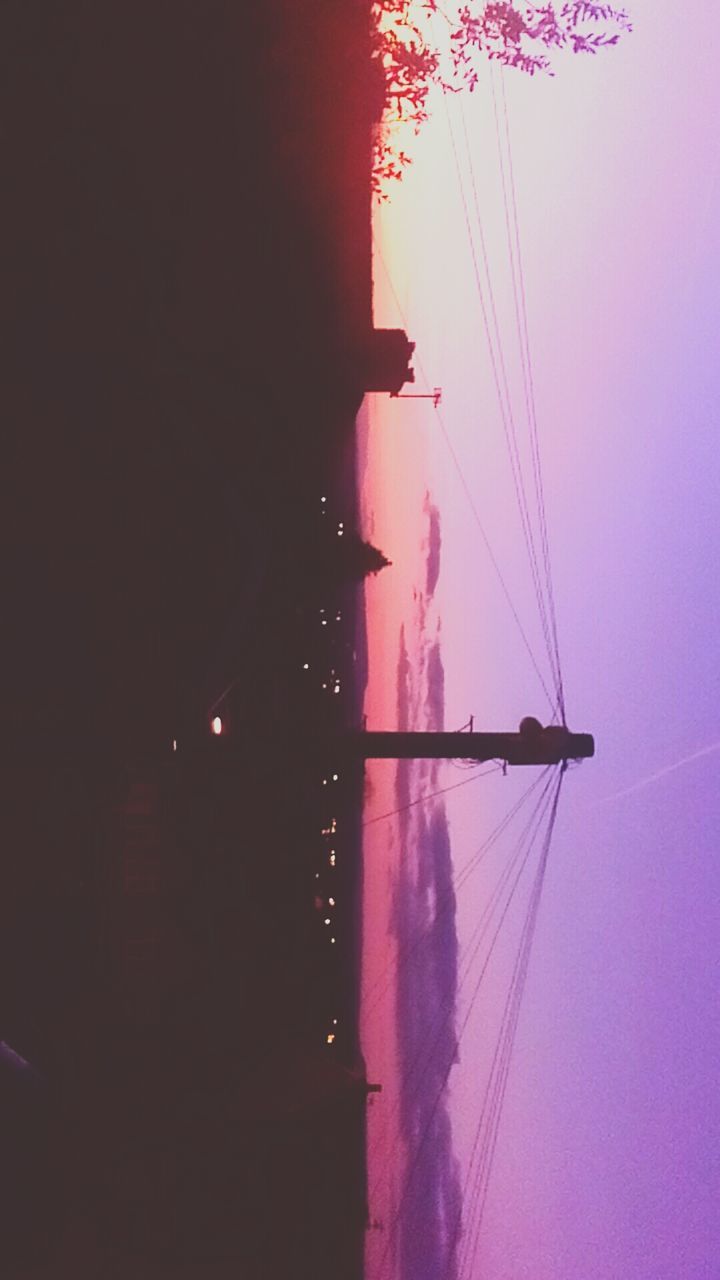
607	1163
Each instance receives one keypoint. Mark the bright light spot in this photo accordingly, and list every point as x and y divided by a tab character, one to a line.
334	1022
323	499
330	1035
317	875
324	782
332	939
332	859
327	920
306	666
324	622
335	777
174	744
216	725
331	902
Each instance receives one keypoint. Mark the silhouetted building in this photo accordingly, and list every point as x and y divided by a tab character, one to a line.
387	361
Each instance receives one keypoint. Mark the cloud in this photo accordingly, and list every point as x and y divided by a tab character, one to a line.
435	696
424	925
434	543
404	684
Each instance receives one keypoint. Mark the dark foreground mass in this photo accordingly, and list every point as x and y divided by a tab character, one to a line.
186	285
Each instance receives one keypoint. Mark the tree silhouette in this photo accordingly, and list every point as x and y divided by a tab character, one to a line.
364	559
523	35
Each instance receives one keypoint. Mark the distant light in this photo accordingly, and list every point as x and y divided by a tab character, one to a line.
216	725
323	499
332	859
331	902
306	666
332	939
340	533
334	1022
324	622
330	1036
328	920
324	782
317	875
174	744
335	777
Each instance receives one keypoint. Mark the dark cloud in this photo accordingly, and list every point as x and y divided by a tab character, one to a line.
403	684
435	696
434	542
424	925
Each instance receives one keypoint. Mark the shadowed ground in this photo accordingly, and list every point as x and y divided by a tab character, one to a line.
186	279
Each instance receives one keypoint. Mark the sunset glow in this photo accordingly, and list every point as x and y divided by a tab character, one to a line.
616	197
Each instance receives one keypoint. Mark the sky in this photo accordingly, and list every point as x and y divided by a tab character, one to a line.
606	1163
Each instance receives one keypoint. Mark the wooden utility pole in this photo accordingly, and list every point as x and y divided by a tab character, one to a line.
532	744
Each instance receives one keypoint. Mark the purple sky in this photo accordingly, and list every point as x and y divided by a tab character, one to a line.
607	1162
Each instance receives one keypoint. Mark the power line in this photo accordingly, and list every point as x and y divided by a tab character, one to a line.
488	1127
423	1062
404	1199
500	376
475	513
520	299
432	795
446	902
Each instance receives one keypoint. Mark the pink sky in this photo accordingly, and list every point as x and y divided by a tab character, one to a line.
606	1165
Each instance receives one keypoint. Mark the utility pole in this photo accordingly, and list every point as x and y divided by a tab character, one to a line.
532	744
